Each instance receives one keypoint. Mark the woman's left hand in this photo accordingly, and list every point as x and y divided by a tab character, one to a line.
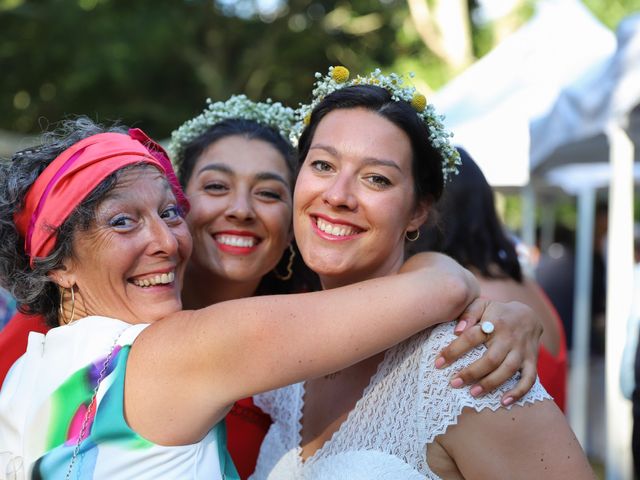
511	347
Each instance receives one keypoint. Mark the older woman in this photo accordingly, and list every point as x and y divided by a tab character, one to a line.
95	241
373	159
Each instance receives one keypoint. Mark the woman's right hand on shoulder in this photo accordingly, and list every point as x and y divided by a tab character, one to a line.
511	348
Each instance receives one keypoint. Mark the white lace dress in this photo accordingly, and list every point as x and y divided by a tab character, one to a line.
405	406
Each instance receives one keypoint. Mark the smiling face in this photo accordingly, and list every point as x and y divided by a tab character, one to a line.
354	197
130	263
240	218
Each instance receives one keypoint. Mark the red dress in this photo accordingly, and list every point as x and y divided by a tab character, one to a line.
14	336
553	370
247	426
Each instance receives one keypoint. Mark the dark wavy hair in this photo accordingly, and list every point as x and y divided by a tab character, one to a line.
469	229
33	290
303	278
426	165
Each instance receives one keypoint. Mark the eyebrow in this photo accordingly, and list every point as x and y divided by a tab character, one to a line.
118	193
368	160
272	176
262	176
216	167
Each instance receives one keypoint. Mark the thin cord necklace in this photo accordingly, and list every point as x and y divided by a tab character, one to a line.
85	422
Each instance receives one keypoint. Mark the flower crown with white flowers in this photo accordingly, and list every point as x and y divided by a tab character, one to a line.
338	77
269	113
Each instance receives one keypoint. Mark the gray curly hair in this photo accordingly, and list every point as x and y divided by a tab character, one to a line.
33	290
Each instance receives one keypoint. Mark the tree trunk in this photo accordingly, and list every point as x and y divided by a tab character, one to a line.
445	30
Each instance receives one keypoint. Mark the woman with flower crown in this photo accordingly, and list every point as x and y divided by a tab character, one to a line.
238	169
374	157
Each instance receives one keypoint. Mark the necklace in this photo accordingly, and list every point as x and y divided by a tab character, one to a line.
85	422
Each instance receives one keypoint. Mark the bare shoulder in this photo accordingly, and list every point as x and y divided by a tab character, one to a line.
530	441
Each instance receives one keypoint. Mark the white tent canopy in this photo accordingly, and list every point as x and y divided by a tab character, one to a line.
490	105
575	130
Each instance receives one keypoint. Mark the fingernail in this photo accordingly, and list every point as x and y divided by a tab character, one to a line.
461	325
475	390
440	361
507	401
457	382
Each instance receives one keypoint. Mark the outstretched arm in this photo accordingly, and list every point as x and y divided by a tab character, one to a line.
192	365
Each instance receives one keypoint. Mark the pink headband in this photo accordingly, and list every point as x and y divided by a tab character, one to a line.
67	181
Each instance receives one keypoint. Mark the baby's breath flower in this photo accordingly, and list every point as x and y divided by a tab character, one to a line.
338	77
270	113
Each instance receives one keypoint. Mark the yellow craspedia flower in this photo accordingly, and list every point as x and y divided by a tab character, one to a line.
307	119
419	101
340	74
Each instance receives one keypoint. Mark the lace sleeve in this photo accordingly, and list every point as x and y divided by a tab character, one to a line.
442	403
266	401
277	403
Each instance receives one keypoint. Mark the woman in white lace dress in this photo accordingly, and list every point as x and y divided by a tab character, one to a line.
371	168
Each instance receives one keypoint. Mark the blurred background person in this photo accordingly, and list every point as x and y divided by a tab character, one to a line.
469	230
555	273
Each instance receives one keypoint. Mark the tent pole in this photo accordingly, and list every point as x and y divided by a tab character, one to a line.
528	233
619	298
547	226
578	394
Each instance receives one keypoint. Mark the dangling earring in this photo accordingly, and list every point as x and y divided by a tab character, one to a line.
73	305
412	239
287	276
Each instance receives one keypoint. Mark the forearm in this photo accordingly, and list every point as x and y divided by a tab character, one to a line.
304	336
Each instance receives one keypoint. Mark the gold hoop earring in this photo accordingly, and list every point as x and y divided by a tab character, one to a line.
289	274
412	239
73	306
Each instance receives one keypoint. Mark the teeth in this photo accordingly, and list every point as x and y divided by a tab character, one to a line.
236	240
337	230
162	279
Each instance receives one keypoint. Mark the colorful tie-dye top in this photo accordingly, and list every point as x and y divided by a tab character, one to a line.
43	408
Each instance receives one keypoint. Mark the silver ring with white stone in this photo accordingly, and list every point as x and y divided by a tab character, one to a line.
487	327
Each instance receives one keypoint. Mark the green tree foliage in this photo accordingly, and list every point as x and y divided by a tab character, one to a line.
610	12
152	63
